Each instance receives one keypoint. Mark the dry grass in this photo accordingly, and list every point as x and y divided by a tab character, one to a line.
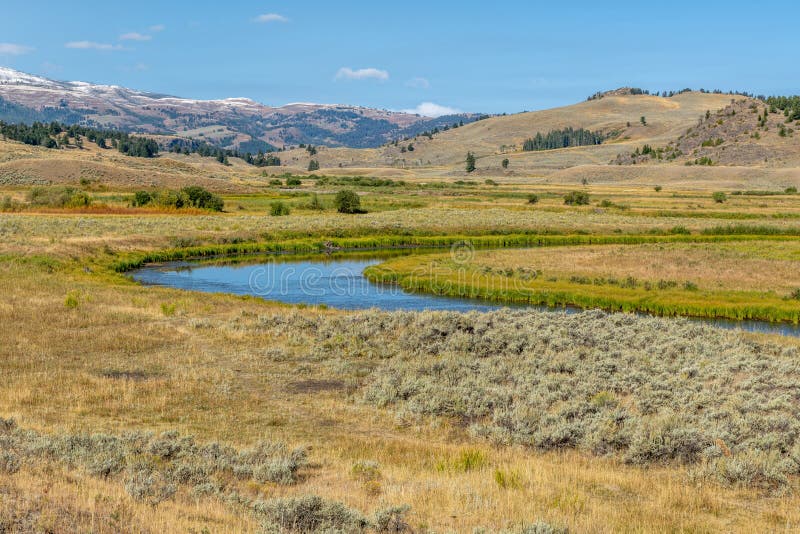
207	377
760	266
124	357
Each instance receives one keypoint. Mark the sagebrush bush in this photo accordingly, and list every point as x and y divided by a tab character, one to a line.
392	520
308	514
153	467
647	390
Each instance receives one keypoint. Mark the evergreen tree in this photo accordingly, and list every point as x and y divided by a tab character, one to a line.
470	162
562	139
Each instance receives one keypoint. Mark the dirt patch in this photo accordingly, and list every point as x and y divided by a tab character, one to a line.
315	386
134	375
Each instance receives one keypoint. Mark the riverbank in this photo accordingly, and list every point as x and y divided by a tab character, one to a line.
744	280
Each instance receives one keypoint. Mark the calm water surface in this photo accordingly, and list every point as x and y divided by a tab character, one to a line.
339	283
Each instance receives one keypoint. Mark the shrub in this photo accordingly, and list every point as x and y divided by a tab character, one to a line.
278	209
9	462
152	467
72	300
792	190
719	197
144	483
189	197
542	527
533	198
58	197
491	182
679	230
576	198
347	201
315	203
309	514
293	181
658	188
504	163
201	198
142	198
275	183
365	470
9	204
392	519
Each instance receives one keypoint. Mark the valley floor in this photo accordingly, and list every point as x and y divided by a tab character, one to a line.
592	423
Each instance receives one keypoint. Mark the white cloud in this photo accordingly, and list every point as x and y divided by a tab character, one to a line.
157	28
346	73
418	83
91	45
11	49
429	109
134	36
271	17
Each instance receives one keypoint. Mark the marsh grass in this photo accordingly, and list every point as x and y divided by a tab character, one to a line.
750	279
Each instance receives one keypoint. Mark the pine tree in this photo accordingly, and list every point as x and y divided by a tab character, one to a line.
470	162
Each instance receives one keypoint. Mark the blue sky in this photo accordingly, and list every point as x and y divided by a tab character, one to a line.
472	56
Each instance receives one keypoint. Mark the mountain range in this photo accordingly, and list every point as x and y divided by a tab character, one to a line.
238	123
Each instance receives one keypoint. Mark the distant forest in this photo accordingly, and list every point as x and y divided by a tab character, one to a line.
790	105
57	135
562	139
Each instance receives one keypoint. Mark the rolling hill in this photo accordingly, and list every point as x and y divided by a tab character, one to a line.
686	121
230	123
497	138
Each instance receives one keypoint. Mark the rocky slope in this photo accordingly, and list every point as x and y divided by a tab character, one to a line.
744	133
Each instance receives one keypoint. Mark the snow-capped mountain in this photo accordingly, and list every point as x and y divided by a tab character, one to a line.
232	122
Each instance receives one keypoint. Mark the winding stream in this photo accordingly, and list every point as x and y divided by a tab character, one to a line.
338	282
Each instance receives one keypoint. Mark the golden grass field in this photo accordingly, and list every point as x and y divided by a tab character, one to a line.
84	349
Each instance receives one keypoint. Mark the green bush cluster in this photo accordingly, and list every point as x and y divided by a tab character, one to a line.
58	197
576	198
278	209
347	201
189	197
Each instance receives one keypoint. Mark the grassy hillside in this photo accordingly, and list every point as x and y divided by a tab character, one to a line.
749	157
497	138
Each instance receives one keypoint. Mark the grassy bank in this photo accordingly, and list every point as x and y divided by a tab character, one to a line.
615	279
